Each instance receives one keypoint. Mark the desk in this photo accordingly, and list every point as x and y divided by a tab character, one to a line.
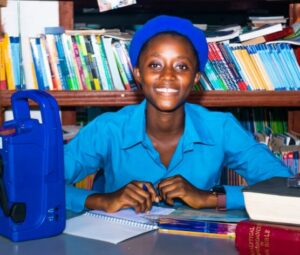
152	243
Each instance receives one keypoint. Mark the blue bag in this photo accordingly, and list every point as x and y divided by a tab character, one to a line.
32	190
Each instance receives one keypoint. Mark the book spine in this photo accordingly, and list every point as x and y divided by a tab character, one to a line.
3	84
36	62
79	66
95	40
115	75
8	63
264	239
105	64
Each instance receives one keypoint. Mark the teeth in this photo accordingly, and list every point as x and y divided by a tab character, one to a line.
166	90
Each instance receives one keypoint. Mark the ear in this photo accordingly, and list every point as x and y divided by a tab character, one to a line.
197	77
137	74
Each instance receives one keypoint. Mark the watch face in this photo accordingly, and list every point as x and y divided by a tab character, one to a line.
219	189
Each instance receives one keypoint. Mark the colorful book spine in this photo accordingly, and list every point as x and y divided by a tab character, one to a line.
107	71
231	64
126	65
82	54
37	62
53	57
45	57
231	82
8	63
82	80
92	62
3	84
121	69
265	239
115	75
218	68
207	228
95	40
70	61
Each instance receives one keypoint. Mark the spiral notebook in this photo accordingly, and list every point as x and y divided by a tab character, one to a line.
113	227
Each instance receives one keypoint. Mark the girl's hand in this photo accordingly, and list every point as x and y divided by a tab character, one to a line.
178	187
136	195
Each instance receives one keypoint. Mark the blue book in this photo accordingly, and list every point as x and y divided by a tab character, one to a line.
292	63
36	63
264	54
42	64
66	77
16	63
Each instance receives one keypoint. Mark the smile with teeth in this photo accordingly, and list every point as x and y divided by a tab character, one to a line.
166	90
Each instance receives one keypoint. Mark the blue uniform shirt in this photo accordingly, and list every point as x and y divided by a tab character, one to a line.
118	143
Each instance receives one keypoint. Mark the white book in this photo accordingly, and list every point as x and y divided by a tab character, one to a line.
263	30
115	75
113	227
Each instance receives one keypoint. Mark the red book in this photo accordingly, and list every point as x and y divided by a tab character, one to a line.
254	237
279	35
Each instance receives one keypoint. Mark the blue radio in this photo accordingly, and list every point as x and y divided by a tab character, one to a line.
32	191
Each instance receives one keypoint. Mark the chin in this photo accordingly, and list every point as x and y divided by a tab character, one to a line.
167	106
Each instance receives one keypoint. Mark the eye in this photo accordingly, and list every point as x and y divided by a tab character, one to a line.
181	67
155	65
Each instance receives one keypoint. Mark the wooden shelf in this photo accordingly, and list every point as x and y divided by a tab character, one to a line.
207	98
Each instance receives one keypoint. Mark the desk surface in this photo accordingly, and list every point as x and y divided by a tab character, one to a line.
147	244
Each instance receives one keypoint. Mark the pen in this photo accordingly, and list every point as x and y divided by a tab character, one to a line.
145	187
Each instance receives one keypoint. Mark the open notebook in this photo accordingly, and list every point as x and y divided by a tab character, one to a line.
113	227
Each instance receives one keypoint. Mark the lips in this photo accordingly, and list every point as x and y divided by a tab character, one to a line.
166	90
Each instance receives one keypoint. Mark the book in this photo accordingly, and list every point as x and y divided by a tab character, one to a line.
201	228
185	213
260	238
273	201
263	30
113	227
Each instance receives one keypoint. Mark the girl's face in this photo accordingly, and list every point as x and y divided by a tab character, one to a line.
167	71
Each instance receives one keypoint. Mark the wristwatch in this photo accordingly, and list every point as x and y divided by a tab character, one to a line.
220	193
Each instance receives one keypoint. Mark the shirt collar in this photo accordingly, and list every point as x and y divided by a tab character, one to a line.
196	129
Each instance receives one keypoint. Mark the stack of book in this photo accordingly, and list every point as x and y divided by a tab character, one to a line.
259	21
251	67
273	206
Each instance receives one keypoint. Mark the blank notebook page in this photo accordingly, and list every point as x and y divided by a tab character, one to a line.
111	228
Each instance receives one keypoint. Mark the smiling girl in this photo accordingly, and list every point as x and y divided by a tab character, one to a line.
165	149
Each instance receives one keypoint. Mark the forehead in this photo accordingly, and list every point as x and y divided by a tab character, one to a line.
169	39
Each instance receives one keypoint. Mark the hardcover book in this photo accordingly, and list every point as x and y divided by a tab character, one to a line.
263	30
253	237
273	201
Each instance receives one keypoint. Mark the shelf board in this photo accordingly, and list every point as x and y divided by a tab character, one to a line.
207	98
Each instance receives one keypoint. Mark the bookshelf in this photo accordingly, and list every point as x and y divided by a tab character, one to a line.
69	100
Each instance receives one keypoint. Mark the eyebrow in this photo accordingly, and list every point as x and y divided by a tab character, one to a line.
155	54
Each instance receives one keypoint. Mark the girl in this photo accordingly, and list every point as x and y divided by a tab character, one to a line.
165	149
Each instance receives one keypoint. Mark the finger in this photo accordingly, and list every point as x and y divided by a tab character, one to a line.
141	196
153	193
170	180
131	201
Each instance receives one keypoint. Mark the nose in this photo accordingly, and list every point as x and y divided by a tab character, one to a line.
168	73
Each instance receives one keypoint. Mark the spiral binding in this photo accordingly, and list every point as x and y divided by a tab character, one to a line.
146	226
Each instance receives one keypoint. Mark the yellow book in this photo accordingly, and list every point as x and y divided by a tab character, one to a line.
251	69
2	66
8	63
262	83
35	83
248	76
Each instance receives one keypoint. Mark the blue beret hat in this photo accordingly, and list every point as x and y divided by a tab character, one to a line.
166	23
